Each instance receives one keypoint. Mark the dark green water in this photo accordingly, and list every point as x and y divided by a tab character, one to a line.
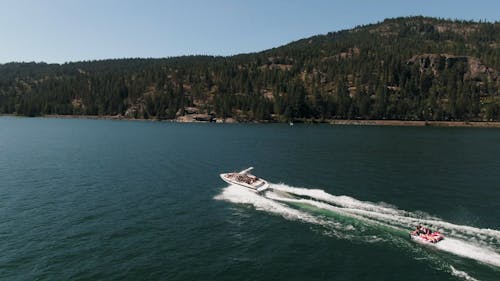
124	200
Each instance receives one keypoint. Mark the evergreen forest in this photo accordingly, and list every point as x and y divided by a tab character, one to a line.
411	68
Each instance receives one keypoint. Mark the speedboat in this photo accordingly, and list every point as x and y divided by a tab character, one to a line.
424	235
245	179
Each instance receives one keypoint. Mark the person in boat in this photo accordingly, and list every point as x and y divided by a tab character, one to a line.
418	230
426	230
253	180
421	230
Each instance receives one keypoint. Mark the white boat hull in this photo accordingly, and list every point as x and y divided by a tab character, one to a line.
259	185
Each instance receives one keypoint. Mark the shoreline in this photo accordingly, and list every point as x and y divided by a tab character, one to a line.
406	123
346	122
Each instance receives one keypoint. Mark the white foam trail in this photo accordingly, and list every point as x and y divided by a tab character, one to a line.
462	274
408	219
241	195
464	249
466	241
485	252
342	201
318	204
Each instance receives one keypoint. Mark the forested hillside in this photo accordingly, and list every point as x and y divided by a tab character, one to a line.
414	68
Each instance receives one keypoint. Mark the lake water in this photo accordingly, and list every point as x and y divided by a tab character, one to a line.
132	200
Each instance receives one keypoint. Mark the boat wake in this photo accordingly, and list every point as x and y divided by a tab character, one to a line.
348	218
461	274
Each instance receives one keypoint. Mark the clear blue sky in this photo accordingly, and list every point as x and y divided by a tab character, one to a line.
72	30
